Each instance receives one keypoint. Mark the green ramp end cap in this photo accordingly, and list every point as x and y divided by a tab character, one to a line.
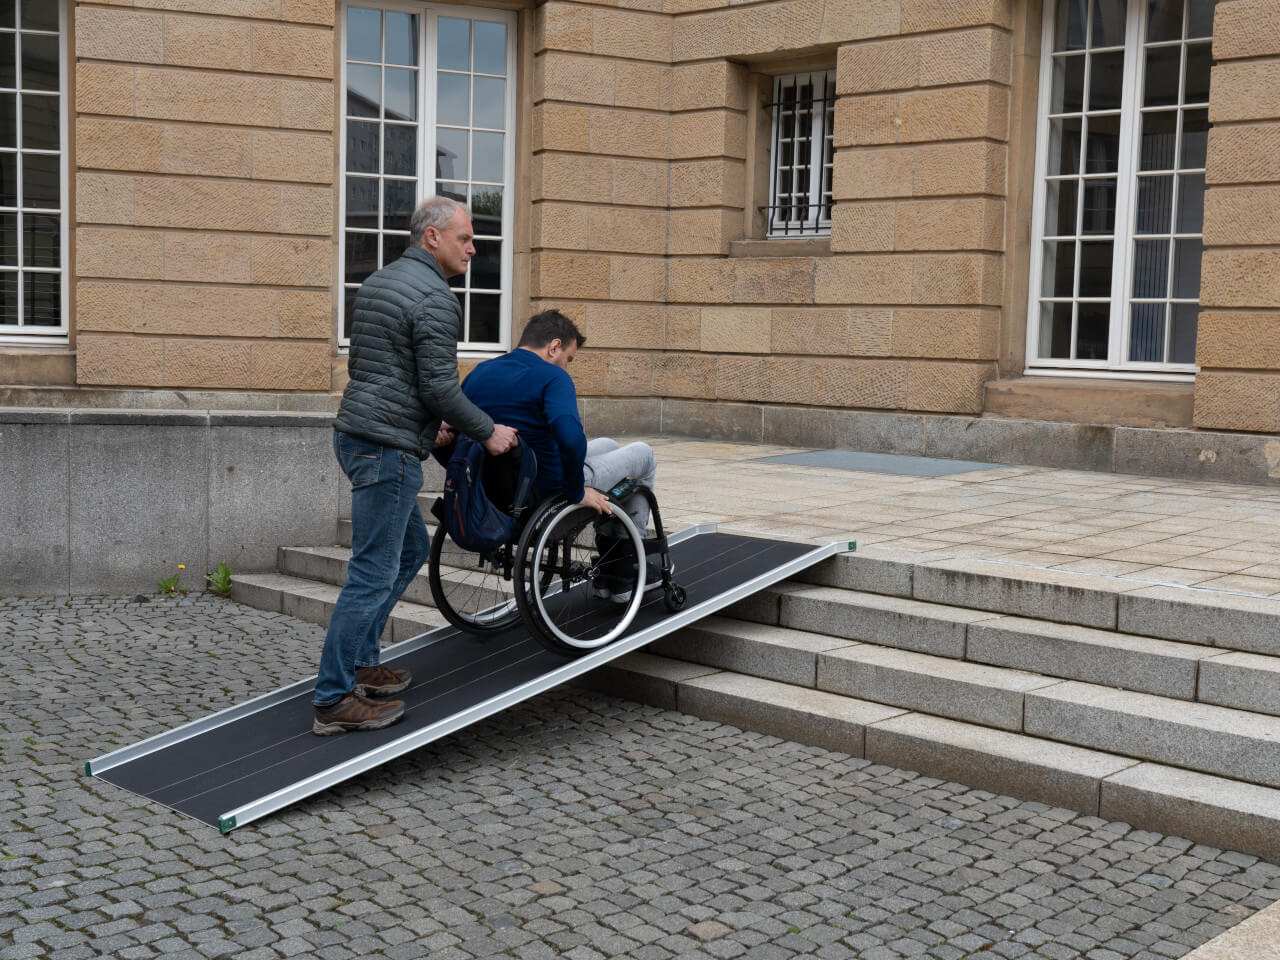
226	824
853	545
87	771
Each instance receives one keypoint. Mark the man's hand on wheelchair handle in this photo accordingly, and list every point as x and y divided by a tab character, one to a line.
501	440
597	501
445	436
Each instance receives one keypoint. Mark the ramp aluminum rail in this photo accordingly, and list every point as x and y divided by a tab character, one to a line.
250	760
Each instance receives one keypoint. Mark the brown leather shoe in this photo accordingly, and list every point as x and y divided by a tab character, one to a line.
380	681
356	712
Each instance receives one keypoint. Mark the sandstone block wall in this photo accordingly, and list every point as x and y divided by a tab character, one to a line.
204	198
644	153
1238	346
203	187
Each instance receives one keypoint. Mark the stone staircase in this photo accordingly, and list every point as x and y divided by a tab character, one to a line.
1151	704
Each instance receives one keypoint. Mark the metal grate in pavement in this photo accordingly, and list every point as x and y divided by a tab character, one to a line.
880	463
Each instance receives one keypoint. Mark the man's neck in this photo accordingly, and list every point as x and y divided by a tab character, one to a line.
537	353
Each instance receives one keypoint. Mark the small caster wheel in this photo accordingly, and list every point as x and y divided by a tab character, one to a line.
674	596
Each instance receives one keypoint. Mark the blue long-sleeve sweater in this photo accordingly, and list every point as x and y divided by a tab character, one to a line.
538	399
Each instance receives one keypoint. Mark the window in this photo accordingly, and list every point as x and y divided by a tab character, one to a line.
33	243
801	154
1119	209
423	82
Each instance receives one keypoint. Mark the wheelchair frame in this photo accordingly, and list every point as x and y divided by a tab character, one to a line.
551	578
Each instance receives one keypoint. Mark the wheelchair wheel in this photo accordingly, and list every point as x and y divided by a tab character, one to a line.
475	592
567	565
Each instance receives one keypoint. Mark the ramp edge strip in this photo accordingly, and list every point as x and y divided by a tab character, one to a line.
194	728
279	799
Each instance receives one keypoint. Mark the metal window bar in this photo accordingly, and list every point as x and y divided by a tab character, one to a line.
800	175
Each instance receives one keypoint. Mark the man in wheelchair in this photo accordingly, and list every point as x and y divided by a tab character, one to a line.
531	390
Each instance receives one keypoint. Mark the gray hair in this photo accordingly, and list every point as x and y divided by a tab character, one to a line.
432	212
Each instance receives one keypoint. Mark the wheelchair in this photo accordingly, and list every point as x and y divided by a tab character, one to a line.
575	578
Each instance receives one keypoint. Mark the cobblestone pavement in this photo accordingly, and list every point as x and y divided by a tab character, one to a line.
574	825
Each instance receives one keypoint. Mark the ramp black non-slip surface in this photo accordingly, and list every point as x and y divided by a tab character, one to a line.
229	766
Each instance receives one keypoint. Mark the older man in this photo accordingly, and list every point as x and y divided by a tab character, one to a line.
403	370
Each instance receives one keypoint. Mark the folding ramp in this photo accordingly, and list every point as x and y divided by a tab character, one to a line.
247	761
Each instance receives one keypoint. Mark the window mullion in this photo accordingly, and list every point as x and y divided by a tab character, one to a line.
1034	287
817	150
20	308
1126	185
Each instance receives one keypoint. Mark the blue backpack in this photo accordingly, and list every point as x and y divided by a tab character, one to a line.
469	513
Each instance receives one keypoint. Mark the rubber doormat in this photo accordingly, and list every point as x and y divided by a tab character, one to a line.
880	463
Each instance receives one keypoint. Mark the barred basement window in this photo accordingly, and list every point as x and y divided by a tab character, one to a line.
429	106
801	155
1119	213
33	246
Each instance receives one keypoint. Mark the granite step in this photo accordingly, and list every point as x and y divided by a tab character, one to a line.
1187	671
329	565
1204	807
313	602
425	500
1192	615
1227	741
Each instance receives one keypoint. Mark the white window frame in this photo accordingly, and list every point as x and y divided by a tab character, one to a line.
11	333
429	14
820	172
1115	366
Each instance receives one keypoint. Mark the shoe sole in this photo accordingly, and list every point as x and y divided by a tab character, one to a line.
367	691
328	729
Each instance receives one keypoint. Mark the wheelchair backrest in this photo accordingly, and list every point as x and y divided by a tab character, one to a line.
485	497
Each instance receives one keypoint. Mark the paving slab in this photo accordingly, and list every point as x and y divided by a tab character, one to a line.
1255	938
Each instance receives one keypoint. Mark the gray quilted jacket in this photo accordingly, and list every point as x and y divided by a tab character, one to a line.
403	363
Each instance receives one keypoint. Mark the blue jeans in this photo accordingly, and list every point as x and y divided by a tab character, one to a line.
389	544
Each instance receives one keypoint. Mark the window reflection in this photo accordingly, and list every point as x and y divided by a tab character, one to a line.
399	150
9	239
9	312
39	61
41	241
485	317
453	49
42	296
486	265
364	34
402	38
491	48
1146	333
385	94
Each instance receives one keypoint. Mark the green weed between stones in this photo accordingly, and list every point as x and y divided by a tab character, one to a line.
220	580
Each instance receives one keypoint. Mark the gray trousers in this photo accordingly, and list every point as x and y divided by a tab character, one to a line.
608	462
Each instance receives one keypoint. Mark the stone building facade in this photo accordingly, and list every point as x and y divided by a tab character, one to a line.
231	169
